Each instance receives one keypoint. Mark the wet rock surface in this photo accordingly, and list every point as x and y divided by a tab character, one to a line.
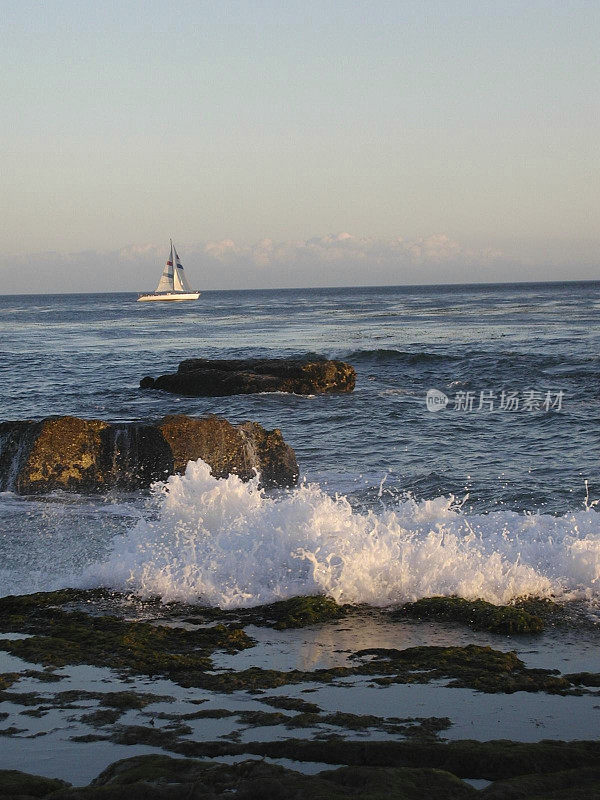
60	633
353	754
81	455
397	772
202	377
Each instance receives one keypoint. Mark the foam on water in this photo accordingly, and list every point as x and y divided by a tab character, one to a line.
225	543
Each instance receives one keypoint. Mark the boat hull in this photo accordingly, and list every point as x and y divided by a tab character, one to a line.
168	296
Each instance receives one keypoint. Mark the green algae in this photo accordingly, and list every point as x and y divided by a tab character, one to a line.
298	612
291	704
8	678
409	726
493	760
477	614
102	717
385	770
465	758
58	637
128	700
13	782
571	784
61	637
253	779
584	678
474	667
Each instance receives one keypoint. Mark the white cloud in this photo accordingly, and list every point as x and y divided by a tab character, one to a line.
335	259
344	247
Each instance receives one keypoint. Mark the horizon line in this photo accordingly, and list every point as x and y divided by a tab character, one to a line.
328	288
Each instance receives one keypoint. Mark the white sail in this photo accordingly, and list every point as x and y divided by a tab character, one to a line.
166	282
173	284
180	275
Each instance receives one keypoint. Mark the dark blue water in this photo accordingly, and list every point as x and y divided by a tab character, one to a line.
85	355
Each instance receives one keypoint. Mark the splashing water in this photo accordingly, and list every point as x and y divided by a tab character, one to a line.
225	543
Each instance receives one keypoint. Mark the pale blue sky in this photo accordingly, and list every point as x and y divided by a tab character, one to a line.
127	123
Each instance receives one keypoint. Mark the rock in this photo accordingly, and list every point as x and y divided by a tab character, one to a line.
241	449
66	454
80	455
203	377
15	783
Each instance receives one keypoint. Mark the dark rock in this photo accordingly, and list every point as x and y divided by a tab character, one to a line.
80	455
202	377
14	783
256	779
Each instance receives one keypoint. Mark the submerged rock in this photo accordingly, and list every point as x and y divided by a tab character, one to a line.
202	377
81	455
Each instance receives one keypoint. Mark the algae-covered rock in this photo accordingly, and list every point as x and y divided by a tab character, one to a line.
477	614
466	758
257	780
584	678
297	612
14	783
62	637
571	784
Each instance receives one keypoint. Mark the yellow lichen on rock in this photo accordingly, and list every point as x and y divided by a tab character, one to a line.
67	452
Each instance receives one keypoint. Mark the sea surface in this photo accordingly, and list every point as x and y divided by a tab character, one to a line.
493	496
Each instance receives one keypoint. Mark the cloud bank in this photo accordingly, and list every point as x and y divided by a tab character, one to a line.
339	259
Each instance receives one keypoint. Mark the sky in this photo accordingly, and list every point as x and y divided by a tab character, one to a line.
298	143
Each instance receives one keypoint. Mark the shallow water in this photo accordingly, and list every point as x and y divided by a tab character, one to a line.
47	742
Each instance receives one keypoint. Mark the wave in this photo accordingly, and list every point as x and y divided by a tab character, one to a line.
553	365
400	356
226	543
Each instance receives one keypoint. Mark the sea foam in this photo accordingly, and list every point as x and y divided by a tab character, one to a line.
226	543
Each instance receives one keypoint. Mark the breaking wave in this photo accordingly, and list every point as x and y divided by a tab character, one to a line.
226	543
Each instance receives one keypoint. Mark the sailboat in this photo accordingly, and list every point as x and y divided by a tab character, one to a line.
173	284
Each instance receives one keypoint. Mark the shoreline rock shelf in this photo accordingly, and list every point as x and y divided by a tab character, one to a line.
81	455
203	377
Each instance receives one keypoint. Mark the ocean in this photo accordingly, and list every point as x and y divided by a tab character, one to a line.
491	496
465	463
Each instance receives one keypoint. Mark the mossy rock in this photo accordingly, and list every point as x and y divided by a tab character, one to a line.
571	784
297	612
13	782
477	614
60	637
254	779
493	760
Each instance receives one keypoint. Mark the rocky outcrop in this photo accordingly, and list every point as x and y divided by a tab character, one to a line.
240	449
202	377
80	455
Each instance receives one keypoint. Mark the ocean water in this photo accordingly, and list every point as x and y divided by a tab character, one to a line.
396	502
